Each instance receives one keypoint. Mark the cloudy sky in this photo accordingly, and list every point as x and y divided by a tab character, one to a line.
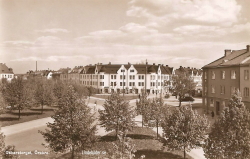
66	33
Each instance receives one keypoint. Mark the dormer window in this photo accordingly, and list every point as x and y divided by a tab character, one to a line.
122	70
132	70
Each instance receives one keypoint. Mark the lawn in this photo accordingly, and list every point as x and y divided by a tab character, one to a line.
126	96
145	143
11	117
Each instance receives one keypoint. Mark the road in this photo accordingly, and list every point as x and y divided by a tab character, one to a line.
25	136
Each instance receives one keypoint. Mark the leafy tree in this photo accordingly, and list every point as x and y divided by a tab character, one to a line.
156	111
117	115
141	105
182	85
2	144
184	129
16	94
73	128
230	134
43	93
123	149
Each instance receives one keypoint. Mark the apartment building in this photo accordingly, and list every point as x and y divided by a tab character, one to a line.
196	75
127	78
5	72
223	77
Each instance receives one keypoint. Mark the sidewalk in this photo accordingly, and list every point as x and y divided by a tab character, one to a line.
17	128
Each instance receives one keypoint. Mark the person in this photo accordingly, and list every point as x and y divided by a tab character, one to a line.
139	96
212	113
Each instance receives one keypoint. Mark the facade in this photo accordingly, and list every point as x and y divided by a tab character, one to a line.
64	72
196	74
223	77
6	73
127	78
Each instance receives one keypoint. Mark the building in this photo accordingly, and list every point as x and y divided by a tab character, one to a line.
196	74
223	77
5	72
64	72
127	78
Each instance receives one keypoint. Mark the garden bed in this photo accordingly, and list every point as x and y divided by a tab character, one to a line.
145	143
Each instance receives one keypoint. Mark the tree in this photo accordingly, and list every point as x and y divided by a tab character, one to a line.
2	144
141	105
73	128
43	93
184	129
182	85
123	149
230	134
117	115
16	94
156	111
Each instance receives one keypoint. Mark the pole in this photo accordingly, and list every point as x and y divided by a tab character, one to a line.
123	83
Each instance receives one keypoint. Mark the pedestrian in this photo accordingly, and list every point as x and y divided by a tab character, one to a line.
212	114
139	96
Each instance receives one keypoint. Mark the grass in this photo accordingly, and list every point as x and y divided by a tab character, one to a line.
126	96
145	143
11	117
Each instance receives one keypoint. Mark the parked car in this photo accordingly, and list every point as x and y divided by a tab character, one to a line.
174	94
187	99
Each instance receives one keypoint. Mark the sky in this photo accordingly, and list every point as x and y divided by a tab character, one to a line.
66	33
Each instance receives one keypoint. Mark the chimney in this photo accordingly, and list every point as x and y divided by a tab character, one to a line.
227	52
100	63
153	63
109	63
166	65
248	48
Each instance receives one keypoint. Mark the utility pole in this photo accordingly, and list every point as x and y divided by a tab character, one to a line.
123	82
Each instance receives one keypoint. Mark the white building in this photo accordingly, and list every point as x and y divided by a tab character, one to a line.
127	78
5	72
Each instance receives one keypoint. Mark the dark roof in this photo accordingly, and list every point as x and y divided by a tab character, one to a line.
234	58
5	69
113	68
188	71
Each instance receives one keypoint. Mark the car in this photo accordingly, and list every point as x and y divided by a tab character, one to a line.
187	99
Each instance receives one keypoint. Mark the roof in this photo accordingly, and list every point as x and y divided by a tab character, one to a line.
188	71
234	57
113	68
5	69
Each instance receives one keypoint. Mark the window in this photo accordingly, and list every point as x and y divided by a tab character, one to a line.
142	84
120	76
131	77
205	101
122	70
205	91
233	90
139	83
233	74
246	74
114	76
205	75
246	92
139	77
223	74
213	88
111	83
222	89
111	76
211	102
120	83
213	75
132	70
114	83
223	104
142	77
101	76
